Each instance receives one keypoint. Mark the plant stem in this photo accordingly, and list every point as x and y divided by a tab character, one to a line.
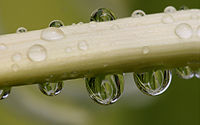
124	45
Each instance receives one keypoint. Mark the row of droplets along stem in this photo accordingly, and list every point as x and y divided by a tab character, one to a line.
104	89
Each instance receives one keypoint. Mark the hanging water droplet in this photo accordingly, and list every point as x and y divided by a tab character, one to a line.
153	83
198	31
197	73
82	45
183	8
52	33
37	53
3	46
170	9
138	13
185	72
16	57
184	31
21	30
15	67
102	14
167	19
105	89
51	89
56	23
4	93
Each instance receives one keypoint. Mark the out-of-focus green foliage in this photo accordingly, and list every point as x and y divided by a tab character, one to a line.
179	105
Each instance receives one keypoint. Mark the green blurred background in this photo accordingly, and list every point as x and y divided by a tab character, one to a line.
179	105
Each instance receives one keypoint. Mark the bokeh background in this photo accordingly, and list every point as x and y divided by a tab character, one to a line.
179	105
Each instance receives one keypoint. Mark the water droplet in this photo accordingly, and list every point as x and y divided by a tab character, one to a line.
3	47
145	50
138	13
167	19
185	72
105	89
21	30
183	8
197	73
170	9
68	50
153	83
15	67
4	93
82	45
37	53
16	57
198	31
56	23
51	89
184	31
102	14
52	33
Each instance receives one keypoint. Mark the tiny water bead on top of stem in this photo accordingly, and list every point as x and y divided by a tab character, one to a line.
56	23
170	9
138	13
102	14
51	88
185	72
105	89
4	92
21	30
153	83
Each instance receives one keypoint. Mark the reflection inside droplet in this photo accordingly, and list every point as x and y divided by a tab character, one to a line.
185	72
153	83
21	30
56	23
138	13
105	89
4	93
102	14
51	89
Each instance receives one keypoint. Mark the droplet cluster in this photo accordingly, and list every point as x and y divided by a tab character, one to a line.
105	89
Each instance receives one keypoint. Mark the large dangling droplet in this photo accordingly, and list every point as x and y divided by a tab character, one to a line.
102	14
105	89
185	72
51	89
4	93
153	83
197	73
56	23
